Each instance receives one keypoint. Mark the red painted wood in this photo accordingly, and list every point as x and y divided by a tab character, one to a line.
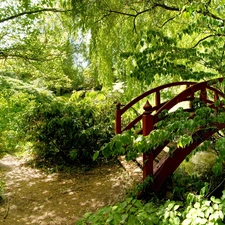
183	95
203	95
170	164
151	116
147	127
147	165
154	90
157	98
118	119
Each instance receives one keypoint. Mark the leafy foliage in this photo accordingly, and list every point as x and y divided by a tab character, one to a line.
16	98
60	130
195	210
39	44
68	132
178	128
170	39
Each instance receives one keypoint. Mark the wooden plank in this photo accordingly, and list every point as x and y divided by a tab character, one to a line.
132	168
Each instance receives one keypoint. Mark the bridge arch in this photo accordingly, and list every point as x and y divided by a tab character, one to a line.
167	165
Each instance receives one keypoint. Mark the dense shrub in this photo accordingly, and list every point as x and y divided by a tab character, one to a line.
13	105
16	99
65	129
195	210
68	131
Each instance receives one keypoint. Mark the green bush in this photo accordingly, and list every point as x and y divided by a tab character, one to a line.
69	131
195	210
13	105
16	99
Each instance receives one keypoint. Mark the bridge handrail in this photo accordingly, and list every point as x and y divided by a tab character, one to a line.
188	92
138	118
120	111
154	90
193	87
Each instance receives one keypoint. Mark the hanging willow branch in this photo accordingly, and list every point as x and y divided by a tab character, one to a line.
55	10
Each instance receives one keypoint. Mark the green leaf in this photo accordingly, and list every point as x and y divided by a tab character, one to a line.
184	141
106	151
215	200
124	217
197	205
186	222
95	156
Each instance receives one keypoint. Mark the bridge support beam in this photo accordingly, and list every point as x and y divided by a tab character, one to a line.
147	125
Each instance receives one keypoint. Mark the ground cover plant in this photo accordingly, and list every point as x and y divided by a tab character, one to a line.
194	210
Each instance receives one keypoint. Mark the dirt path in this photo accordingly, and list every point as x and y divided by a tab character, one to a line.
33	197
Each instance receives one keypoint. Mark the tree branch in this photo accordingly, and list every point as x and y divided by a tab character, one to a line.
102	18
166	7
34	12
209	36
29	58
122	13
172	18
171	8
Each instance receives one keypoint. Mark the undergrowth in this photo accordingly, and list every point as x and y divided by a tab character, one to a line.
183	200
194	210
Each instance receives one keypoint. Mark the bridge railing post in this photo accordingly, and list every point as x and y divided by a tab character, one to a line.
147	126
203	95
216	98
118	119
192	96
157	99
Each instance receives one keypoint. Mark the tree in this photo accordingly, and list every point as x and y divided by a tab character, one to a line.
182	39
37	38
136	39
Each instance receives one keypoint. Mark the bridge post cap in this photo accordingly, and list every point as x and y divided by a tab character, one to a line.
147	106
118	105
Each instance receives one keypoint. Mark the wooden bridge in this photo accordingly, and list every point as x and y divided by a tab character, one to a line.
160	168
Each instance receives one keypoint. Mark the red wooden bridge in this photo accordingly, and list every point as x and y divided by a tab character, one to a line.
160	169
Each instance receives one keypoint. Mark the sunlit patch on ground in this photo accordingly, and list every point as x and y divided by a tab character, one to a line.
37	198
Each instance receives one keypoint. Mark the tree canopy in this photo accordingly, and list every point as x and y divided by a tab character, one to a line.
115	40
182	39
38	43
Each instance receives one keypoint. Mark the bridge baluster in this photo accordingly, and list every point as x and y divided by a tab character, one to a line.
147	125
118	119
203	95
157	99
216	96
192	96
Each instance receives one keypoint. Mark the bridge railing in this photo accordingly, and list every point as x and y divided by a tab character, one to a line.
206	92
205	88
158	103
187	95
